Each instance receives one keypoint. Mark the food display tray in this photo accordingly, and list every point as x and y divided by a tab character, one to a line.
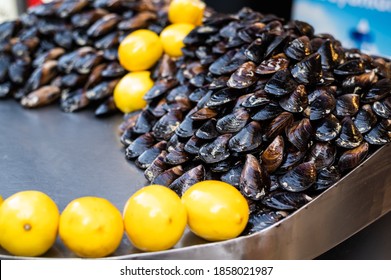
73	155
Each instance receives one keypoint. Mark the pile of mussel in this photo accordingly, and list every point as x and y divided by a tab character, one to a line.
66	51
266	105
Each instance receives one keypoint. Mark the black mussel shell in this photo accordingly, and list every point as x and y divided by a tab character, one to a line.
254	180
197	94
256	50
321	103
232	176
292	158
383	108
380	90
296	102
284	200
327	128
365	118
263	219
218	82
322	155
281	83
300	134
379	134
165	127
308	70
139	145
304	28
223	96
273	155
177	156
215	151
326	178
347	105
244	76
106	108
208	130
272	65
233	122
221	166
350	137
352	158
168	176
330	55
299	178
299	48
189	178
149	155
350	67
247	139
144	122
277	45
258	98
217	67
204	114
160	87
186	128
193	145
278	125
359	84
268	112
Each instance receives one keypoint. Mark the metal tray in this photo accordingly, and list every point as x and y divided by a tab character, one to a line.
73	155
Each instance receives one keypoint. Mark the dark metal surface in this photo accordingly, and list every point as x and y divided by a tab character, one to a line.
73	155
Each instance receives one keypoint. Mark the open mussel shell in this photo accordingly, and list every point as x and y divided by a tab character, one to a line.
326	178
247	139
365	118
254	180
272	65
139	145
148	156
299	178
281	83
233	122
380	134
273	155
352	158
262	219
350	137
187	179
215	151
296	102
244	76
284	200
322	154
300	133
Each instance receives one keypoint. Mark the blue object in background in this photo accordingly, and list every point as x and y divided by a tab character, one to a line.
356	23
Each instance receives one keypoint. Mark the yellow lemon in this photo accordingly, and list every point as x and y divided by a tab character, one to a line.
130	90
186	11
216	210
154	218
28	223
172	38
91	227
1	200
140	50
